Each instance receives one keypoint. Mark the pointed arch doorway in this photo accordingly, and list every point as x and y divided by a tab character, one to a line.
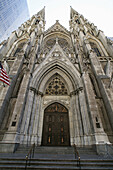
56	126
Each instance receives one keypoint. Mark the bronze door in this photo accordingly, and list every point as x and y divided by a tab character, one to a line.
56	126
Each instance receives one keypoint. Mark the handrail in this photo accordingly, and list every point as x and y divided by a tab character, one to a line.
107	150
77	155
110	145
30	155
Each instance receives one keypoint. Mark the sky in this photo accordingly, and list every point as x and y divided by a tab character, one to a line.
99	12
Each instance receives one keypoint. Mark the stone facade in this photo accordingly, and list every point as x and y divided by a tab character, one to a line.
82	59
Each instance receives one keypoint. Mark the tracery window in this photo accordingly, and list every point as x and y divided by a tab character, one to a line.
61	41
94	47
56	87
51	42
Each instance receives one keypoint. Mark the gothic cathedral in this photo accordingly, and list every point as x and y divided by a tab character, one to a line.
61	89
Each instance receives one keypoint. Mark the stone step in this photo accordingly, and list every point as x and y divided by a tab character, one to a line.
86	150
54	158
13	158
56	150
19	163
53	167
49	150
52	163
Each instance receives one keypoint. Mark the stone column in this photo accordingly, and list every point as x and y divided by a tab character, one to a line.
32	118
107	95
26	118
99	136
3	91
40	121
35	131
103	82
80	123
74	122
84	118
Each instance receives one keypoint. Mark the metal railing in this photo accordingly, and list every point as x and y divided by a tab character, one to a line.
108	147
30	155
106	150
77	156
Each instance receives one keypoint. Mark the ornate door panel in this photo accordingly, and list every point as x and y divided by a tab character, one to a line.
56	126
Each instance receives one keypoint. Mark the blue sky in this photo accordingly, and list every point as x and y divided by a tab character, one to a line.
99	12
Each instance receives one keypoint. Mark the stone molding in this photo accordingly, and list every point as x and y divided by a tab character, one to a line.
75	92
36	91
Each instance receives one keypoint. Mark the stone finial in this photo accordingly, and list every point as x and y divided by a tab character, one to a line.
57	21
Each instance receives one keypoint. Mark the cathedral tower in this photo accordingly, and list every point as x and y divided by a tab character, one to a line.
61	89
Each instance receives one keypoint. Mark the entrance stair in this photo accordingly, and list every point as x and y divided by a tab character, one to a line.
55	158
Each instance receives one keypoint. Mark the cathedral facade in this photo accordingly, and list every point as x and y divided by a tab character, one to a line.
61	90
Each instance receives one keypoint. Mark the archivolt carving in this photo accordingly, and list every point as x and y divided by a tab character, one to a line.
64	101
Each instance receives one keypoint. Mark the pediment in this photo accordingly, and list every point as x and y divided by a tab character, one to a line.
57	57
57	27
55	54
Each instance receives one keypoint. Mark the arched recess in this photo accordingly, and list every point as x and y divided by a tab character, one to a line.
95	48
57	34
61	35
17	47
43	74
63	76
98	44
56	126
39	101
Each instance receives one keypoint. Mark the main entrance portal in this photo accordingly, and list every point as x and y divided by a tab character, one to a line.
56	126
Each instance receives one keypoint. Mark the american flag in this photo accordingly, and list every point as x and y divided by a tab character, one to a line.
3	75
